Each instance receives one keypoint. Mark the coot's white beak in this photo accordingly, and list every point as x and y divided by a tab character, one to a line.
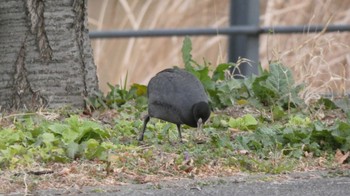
200	125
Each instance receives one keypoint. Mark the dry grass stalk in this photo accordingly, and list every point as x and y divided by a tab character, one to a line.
321	60
142	57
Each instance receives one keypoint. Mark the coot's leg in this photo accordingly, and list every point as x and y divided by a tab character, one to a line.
179	129
144	127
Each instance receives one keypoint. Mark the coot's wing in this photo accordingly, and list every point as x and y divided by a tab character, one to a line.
162	96
192	88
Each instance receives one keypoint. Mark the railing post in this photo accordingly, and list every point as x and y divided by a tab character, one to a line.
244	12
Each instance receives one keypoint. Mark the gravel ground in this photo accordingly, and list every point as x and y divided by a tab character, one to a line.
305	183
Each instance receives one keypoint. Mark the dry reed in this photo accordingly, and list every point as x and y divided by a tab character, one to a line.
321	60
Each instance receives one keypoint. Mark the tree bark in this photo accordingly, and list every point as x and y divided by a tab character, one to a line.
45	54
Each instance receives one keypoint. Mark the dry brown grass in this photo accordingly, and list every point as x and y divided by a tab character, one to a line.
321	60
142	57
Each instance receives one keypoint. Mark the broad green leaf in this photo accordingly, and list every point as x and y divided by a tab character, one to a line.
219	73
141	90
58	128
276	87
48	138
264	93
280	79
10	136
186	52
278	112
228	91
91	130
73	122
319	126
91	148
342	135
68	133
344	104
299	121
72	150
205	79
329	104
247	122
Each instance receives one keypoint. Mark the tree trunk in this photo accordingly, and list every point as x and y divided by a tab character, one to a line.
45	54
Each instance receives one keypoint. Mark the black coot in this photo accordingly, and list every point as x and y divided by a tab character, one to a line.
178	97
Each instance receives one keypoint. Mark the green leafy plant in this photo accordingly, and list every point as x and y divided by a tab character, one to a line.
277	87
221	93
273	88
53	141
247	122
271	132
118	96
297	136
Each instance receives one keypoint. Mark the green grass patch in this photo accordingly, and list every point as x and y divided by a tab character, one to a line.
272	137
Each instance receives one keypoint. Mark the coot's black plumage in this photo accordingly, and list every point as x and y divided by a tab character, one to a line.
178	97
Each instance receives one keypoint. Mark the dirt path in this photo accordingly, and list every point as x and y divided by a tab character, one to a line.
306	183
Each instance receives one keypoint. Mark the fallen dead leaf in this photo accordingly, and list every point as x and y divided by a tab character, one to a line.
340	157
65	171
243	152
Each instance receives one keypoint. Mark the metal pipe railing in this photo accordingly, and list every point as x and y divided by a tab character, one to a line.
250	30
